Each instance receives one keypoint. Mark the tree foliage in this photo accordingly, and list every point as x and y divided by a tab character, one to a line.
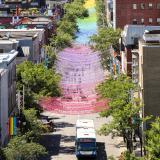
153	141
103	40
75	9
101	13
2	156
33	128
128	156
61	40
38	81
51	57
67	27
121	107
25	145
19	148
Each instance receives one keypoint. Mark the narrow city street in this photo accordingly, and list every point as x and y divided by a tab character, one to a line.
67	64
60	144
81	71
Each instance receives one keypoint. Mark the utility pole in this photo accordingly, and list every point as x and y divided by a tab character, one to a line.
18	97
23	96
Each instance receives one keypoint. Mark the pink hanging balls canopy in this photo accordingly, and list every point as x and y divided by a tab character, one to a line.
80	69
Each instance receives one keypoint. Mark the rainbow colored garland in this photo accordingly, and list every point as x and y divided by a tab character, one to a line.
12	126
81	71
87	26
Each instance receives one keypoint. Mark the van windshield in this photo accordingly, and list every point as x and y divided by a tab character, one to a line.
86	146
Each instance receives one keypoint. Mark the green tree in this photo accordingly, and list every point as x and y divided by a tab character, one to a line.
67	27
103	40
75	9
2	156
51	56
122	107
61	40
128	156
19	149
33	129
101	13
38	81
25	145
153	140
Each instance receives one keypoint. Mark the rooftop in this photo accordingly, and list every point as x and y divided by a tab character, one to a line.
152	36
20	30
149	43
21	33
86	133
7	41
8	57
87	123
131	32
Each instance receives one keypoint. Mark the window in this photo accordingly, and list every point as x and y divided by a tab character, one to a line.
134	6
158	5
150	5
1	50
134	21
142	6
150	20
158	20
136	40
142	21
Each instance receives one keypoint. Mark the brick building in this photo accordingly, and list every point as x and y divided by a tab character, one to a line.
141	12
133	13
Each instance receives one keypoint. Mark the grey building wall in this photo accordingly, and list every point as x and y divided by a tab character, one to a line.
7	92
151	79
114	14
36	51
4	106
11	87
8	46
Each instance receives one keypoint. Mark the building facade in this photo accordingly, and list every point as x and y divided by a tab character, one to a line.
139	12
109	12
30	43
7	45
149	77
3	105
7	92
129	43
25	3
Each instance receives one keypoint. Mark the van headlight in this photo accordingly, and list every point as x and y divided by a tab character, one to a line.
94	152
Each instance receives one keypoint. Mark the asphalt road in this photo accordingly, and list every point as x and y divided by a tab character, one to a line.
60	143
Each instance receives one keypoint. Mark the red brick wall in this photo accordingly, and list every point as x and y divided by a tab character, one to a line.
5	20
125	12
